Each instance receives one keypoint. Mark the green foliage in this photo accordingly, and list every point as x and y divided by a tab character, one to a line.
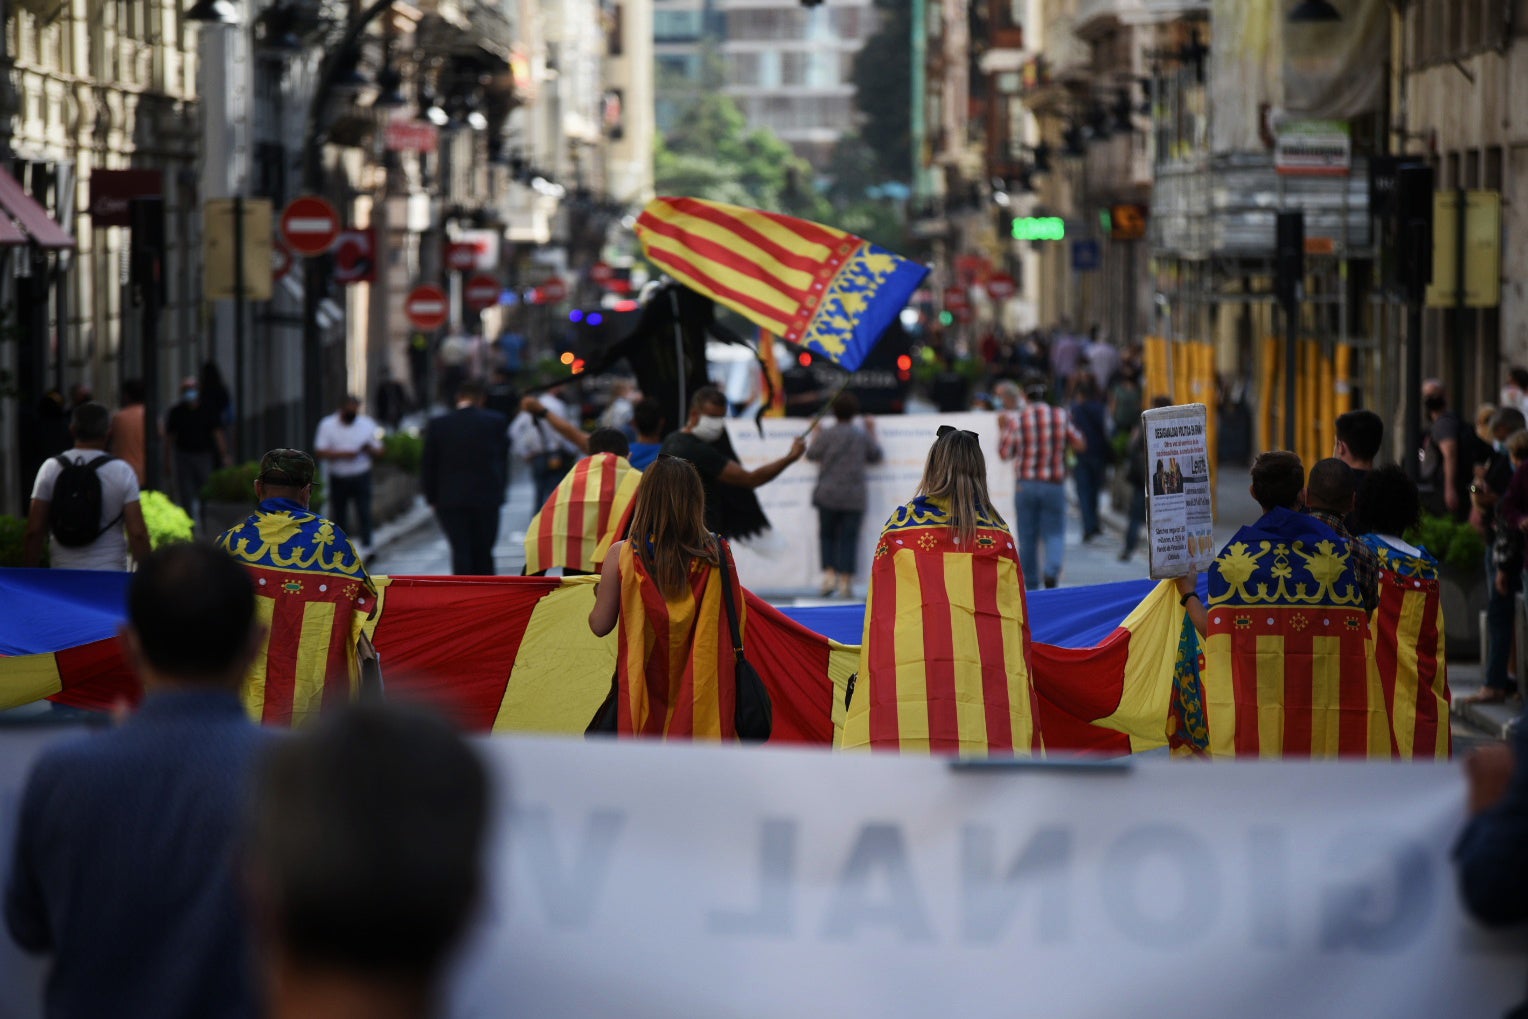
404	451
12	530
1456	544
235	483
883	89
166	521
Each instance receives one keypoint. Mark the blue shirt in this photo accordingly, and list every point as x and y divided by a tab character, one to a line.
126	868
643	454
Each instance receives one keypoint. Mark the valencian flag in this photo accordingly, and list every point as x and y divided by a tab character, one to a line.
1406	658
1286	658
313	595
945	662
585	514
815	286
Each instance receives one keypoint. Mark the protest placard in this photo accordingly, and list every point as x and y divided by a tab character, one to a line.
1179	512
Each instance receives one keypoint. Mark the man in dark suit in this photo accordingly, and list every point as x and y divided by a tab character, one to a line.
466	460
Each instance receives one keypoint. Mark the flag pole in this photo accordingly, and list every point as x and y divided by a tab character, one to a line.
833	396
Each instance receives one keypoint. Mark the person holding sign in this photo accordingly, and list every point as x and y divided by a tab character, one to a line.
1287	637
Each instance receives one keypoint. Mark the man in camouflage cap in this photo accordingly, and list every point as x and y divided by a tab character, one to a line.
298	558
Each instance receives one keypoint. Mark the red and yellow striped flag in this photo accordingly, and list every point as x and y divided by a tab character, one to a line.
814	285
675	656
1406	653
945	662
585	514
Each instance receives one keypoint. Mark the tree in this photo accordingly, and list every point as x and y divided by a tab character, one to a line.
883	90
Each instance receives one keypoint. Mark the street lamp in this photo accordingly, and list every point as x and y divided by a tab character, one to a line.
1312	11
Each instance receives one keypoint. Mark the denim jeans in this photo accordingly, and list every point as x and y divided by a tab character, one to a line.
1499	609
838	538
1089	476
354	490
1040	516
1137	519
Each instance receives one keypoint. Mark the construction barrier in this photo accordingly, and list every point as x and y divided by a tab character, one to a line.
1323	384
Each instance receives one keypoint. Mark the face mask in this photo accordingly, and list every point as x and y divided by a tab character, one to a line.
1434	403
709	429
189	396
347	416
1500	445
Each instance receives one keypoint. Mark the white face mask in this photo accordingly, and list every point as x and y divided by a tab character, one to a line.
709	429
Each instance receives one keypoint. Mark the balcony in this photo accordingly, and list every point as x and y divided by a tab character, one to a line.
1093	15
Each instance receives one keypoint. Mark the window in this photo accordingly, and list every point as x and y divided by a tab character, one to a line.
676	26
847	22
743	69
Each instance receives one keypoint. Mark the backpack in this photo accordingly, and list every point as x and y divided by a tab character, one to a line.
74	514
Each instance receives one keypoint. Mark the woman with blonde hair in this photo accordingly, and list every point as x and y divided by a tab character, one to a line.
944	664
663	587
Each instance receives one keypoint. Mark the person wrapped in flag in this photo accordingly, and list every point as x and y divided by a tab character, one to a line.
586	512
1407	656
312	592
945	661
663	588
1286	635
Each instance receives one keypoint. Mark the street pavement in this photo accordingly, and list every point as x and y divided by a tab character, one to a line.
415	545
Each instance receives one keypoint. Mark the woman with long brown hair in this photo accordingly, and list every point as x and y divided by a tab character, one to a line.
944	664
663	587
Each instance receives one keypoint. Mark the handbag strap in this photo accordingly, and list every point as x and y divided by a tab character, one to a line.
721	558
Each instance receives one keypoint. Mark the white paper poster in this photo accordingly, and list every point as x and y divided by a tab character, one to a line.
1179	511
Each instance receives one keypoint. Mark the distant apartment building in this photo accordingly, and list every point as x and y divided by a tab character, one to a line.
789	68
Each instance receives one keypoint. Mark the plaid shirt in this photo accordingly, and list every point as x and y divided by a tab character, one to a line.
1035	438
1360	556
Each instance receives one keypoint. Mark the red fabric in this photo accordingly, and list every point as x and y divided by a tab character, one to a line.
96	677
793	662
1073	686
450	641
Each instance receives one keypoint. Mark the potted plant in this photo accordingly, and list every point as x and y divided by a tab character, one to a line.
228	496
12	530
166	521
1461	551
396	475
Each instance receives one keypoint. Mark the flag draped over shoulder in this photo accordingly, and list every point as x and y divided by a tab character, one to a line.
313	595
585	514
945	662
1406	652
1286	657
813	285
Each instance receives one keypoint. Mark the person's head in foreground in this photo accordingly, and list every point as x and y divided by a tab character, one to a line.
1388	502
365	862
1277	477
955	475
1331	487
190	619
668	523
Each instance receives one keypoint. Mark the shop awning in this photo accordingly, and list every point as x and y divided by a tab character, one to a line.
30	217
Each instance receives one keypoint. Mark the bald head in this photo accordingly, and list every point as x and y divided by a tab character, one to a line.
1331	486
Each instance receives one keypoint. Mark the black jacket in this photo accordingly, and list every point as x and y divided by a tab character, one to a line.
466	459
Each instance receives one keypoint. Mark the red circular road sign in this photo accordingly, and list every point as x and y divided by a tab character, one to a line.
553	290
601	272
461	257
1001	286
309	225
427	307
482	291
955	298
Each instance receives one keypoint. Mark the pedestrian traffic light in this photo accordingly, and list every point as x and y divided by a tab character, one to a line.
1289	257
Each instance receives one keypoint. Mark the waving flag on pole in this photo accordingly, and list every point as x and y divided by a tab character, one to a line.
823	289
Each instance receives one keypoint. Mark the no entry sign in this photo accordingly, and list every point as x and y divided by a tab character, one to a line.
1001	286
482	292
427	307
553	290
309	225
461	256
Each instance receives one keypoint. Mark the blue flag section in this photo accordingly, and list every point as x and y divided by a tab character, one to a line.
869	292
49	610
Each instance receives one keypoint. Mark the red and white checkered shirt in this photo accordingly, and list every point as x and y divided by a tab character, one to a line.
1035	438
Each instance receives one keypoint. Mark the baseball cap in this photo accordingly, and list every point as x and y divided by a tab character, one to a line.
286	467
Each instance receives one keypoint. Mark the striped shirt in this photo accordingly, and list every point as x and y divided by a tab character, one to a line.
1035	439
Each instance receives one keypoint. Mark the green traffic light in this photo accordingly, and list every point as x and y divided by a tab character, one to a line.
1039	228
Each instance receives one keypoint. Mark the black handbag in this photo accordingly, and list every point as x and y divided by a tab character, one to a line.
752	713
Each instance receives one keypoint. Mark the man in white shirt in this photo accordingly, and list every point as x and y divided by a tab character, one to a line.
346	444
549	454
120	527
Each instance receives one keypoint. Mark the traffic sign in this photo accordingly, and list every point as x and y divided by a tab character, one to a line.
427	307
1087	256
310	225
601	272
956	298
482	291
355	256
553	290
1001	286
461	257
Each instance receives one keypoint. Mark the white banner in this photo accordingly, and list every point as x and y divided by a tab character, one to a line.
787	559
669	880
1179	507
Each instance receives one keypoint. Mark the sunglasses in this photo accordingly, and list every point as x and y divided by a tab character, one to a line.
947	429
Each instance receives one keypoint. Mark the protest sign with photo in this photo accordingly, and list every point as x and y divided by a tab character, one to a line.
1179	514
